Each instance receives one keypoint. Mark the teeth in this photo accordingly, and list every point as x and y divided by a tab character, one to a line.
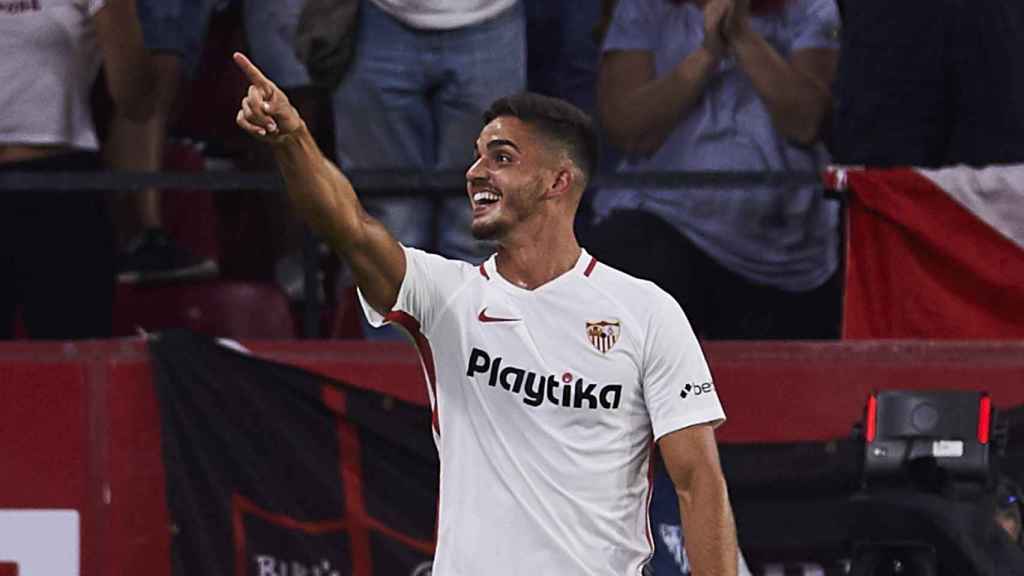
485	196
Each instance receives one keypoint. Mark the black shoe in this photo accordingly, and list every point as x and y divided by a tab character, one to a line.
154	256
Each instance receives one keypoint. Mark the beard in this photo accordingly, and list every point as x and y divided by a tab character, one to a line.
488	230
517	205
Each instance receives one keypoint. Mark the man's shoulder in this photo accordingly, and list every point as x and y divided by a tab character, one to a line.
628	289
435	261
445	276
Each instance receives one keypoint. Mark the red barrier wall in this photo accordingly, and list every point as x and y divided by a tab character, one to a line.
79	426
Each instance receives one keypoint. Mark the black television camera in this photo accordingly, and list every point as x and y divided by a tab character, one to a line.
927	487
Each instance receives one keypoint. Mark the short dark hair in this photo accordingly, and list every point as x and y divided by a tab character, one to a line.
556	119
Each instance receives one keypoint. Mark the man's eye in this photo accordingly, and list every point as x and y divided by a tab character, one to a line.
502	157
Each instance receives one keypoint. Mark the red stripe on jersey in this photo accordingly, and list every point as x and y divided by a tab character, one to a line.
412	326
590	267
483	271
650	496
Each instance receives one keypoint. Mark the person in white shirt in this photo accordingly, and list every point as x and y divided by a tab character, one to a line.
550	374
56	246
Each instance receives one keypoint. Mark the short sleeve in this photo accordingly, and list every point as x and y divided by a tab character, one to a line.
678	387
814	24
430	283
635	26
94	6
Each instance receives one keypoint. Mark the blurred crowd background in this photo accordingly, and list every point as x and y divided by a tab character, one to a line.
781	86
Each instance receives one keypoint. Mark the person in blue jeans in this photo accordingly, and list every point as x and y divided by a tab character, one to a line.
424	73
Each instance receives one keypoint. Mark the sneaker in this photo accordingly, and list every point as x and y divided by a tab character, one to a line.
154	256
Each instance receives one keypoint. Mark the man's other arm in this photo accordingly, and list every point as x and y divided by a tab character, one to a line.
691	458
320	193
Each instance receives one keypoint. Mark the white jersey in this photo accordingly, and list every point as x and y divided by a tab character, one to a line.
546	404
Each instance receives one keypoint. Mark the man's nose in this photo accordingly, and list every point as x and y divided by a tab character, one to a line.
475	171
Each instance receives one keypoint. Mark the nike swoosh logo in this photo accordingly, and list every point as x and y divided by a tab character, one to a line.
483	317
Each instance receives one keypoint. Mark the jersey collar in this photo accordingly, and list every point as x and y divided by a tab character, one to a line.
584	266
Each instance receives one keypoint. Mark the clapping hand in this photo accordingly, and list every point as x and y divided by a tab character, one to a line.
737	21
715	14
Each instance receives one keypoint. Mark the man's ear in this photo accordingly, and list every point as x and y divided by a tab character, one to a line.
562	184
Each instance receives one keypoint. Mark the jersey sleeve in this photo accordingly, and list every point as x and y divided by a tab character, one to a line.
429	284
677	383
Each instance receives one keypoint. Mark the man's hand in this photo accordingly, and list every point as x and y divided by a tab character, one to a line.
737	21
266	113
715	13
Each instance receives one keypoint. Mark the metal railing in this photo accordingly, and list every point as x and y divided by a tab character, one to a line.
376	183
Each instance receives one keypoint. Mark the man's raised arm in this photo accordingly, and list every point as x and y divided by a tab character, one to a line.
321	194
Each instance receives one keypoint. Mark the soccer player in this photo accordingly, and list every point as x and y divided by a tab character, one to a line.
549	373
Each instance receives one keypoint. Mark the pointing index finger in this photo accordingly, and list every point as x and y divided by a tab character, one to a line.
252	72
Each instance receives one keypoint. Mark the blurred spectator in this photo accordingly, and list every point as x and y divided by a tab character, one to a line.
423	74
270	34
947	93
56	248
173	32
270	29
562	50
413	98
713	85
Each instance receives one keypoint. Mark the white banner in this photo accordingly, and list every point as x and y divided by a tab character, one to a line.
40	542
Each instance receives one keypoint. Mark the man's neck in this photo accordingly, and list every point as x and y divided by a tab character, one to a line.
538	258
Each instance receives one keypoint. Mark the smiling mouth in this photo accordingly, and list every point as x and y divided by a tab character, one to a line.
483	199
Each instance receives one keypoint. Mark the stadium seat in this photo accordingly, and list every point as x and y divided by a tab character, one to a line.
216	308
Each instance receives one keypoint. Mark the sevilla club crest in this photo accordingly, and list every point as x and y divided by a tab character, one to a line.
604	334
